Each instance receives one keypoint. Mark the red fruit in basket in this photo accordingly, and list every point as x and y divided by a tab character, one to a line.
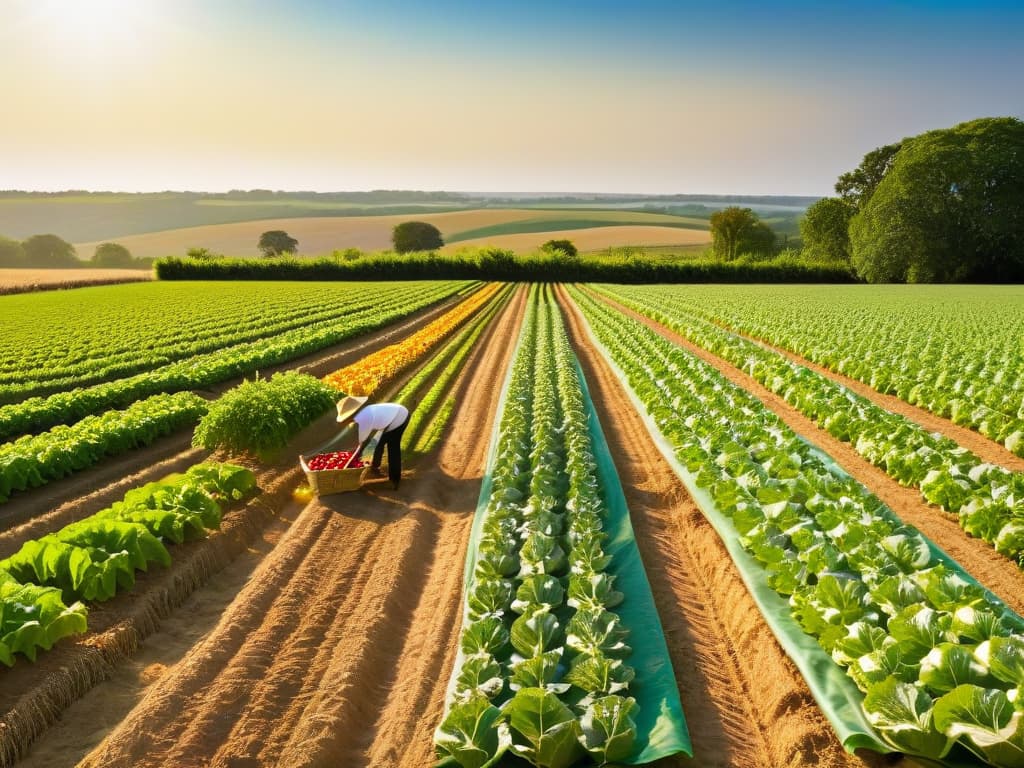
334	460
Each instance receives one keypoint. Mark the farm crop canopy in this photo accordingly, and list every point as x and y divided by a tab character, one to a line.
660	723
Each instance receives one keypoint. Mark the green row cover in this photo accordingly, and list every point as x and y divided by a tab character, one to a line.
661	725
837	696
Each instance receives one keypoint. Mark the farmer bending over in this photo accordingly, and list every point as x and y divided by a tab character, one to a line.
387	418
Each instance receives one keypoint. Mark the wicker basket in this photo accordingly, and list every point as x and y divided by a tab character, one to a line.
327	481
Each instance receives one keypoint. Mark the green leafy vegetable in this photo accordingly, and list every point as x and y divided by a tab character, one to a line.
986	720
609	731
903	714
471	735
544	730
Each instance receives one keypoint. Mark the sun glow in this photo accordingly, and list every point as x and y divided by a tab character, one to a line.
96	30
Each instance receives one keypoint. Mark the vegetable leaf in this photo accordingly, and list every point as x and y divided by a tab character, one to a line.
609	731
986	720
543	729
902	714
472	734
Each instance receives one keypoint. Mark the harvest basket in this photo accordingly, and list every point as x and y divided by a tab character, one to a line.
327	481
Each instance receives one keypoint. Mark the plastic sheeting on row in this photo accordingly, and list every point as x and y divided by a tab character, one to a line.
661	725
836	694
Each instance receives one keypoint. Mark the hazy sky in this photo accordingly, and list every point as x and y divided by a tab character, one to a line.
642	96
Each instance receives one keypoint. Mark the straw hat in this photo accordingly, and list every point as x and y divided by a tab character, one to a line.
347	408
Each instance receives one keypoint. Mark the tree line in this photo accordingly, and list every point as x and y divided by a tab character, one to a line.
53	252
944	206
554	265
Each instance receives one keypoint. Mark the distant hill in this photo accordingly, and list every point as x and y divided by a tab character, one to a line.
518	228
81	217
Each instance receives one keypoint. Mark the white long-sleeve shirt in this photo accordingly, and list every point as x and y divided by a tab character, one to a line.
379	416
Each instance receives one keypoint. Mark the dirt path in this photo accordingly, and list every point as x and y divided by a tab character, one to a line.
987	450
337	651
997	573
745	703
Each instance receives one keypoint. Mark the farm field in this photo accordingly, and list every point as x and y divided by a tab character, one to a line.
13	280
592	238
627	531
321	235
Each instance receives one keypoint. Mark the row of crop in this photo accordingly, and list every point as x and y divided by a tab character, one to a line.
212	368
439	373
186	337
939	659
542	667
117	332
94	558
35	460
954	351
259	417
366	376
988	500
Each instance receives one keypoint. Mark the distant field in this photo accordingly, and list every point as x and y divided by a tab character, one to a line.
594	238
100	216
21	280
311	205
320	235
585	220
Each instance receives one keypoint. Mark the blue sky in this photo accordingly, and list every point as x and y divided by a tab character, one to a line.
724	97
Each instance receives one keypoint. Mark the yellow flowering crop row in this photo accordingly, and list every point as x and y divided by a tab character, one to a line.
366	376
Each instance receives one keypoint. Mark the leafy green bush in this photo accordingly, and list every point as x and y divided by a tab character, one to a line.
416	236
259	417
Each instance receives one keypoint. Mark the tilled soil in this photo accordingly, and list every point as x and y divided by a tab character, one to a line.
999	574
33	695
338	650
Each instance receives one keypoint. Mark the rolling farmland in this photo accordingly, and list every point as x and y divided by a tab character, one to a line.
593	238
757	526
321	235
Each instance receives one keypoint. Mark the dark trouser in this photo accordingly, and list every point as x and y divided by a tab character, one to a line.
393	440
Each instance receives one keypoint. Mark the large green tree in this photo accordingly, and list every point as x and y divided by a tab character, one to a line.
112	255
857	186
11	253
276	242
49	251
825	230
951	208
736	231
565	246
416	236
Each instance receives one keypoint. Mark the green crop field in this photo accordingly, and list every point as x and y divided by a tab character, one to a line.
585	220
586	464
955	350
